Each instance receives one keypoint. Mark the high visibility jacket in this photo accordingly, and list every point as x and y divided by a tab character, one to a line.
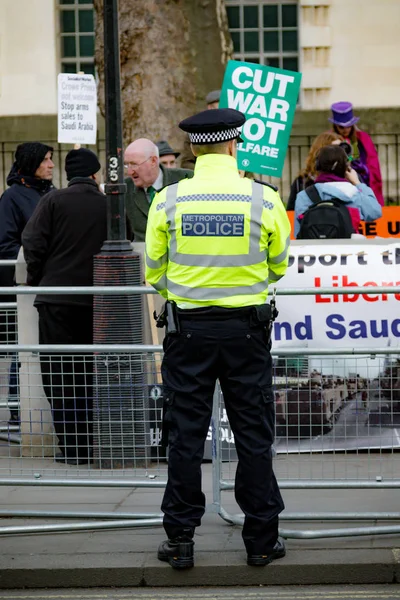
216	239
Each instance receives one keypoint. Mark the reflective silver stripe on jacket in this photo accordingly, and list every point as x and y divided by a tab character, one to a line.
161	284
273	277
253	257
281	257
207	293
156	264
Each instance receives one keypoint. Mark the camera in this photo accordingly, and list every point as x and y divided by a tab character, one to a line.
346	147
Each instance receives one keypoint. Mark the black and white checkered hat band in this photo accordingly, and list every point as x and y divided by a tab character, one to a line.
214	137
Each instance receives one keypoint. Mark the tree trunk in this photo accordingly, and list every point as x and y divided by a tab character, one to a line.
173	52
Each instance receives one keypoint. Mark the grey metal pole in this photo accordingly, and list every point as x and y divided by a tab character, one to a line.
216	450
71	527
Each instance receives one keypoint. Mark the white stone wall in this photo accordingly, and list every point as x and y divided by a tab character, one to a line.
365	52
28	57
349	51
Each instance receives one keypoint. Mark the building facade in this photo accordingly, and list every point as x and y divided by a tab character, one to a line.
346	49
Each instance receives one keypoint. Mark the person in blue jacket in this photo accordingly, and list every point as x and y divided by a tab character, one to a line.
29	179
336	179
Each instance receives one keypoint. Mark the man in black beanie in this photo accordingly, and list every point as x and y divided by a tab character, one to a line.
29	179
66	230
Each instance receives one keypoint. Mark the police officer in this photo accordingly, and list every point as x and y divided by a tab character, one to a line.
213	244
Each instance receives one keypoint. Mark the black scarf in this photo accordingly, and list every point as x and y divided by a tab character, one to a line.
41	185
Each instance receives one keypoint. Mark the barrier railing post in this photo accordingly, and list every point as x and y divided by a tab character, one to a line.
216	449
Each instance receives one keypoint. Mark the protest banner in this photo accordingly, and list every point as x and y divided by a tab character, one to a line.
77	109
338	403
331	403
268	97
329	321
388	226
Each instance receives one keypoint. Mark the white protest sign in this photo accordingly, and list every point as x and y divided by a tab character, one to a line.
349	320
77	109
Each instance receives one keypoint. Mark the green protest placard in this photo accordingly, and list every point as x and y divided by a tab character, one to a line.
268	97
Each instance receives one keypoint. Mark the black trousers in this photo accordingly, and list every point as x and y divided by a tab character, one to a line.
68	379
210	347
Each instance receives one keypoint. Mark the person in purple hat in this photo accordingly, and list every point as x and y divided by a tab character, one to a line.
364	157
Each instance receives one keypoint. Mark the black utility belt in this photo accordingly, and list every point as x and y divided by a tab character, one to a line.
215	312
171	316
258	314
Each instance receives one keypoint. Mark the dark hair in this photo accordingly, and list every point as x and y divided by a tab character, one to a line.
332	159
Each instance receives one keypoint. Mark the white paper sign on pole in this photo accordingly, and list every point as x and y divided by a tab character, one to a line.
77	109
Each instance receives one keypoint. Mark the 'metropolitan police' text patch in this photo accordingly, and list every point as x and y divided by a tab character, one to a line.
217	225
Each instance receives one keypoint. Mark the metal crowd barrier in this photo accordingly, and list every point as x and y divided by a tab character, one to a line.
332	433
119	463
8	363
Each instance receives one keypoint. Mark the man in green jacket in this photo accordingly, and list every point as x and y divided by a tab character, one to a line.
145	177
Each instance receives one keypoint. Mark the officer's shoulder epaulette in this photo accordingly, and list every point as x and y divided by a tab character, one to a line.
273	187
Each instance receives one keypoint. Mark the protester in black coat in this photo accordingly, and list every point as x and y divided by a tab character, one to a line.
29	179
67	229
60	241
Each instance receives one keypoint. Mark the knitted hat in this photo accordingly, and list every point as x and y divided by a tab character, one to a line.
29	155
81	163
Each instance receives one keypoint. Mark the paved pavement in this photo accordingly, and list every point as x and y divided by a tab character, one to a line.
126	557
370	592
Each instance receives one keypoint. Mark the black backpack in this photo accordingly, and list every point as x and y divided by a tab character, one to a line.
325	219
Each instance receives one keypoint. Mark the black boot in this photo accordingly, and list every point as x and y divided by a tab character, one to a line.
178	552
260	560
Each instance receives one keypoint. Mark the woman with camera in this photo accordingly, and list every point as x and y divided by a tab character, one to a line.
307	176
337	183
